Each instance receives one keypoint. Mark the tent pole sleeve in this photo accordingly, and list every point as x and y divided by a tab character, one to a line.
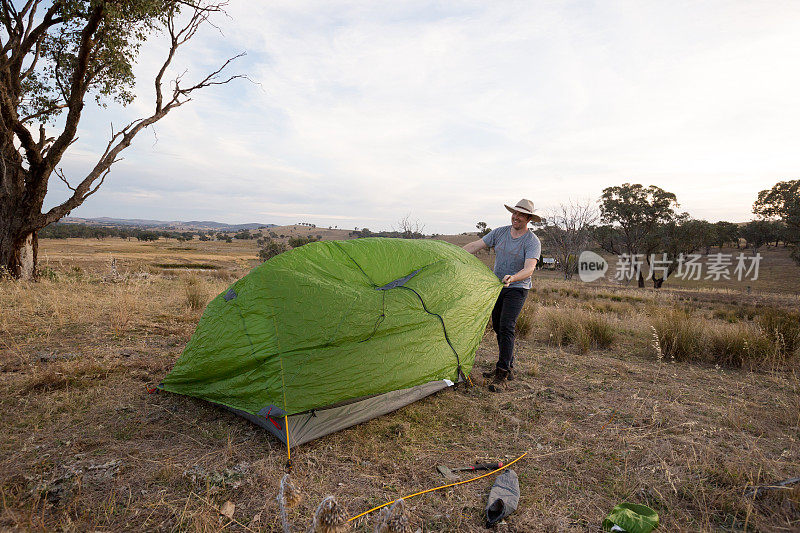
444	330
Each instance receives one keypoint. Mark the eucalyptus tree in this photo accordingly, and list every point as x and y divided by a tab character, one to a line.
632	214
55	55
782	202
757	233
726	232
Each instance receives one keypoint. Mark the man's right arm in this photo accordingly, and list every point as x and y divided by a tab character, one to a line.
474	246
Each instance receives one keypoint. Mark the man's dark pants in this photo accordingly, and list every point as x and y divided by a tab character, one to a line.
504	321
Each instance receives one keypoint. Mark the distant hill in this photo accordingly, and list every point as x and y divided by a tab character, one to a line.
173	225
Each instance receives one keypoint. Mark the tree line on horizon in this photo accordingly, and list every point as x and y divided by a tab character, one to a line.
632	219
636	220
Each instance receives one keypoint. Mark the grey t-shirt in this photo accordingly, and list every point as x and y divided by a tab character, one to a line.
512	253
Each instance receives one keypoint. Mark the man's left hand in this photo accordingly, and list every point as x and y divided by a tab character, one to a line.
507	280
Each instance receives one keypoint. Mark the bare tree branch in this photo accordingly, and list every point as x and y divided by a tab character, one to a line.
60	173
210	79
42	113
48	20
32	5
25	38
210	8
77	89
36	54
410	229
45	143
13	34
568	232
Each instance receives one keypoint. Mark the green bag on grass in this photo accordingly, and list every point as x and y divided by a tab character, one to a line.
632	517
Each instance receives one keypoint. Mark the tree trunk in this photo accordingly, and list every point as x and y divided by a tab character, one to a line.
18	253
641	279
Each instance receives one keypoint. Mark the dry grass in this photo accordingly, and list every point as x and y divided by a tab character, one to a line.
684	336
84	447
196	293
783	329
583	329
526	321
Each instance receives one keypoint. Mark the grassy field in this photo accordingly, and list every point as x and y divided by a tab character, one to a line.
680	399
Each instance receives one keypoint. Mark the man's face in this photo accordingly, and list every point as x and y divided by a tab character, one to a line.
519	220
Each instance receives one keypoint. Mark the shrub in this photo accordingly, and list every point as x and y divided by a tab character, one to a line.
525	321
296	242
684	337
76	272
678	335
47	273
196	293
737	345
600	331
271	249
782	328
580	328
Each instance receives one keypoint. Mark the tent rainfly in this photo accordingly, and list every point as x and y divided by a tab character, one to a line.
335	333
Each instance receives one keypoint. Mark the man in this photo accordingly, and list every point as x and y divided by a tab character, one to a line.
517	249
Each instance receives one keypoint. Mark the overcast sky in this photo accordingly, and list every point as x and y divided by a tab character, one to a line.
363	112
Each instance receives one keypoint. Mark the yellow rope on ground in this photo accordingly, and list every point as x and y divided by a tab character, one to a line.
437	488
288	449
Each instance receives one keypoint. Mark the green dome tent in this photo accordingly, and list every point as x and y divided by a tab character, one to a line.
337	332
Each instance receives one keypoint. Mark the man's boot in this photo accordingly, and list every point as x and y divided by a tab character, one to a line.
490	374
499	380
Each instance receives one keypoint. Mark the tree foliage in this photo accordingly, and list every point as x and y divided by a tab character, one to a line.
757	233
725	232
296	242
86	231
270	249
632	214
782	202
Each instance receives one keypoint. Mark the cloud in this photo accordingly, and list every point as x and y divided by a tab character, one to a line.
366	112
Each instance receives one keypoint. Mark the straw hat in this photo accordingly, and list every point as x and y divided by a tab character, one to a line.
525	207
